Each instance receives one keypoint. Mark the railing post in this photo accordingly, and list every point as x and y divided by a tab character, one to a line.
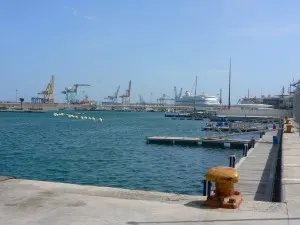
206	188
245	151
232	160
252	142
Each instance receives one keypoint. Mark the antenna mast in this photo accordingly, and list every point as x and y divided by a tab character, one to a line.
229	102
196	86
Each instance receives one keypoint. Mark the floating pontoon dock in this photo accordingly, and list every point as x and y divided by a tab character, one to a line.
230	129
205	142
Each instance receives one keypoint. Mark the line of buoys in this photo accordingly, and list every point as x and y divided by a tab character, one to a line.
70	116
59	114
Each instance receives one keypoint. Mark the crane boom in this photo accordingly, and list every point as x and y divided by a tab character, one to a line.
117	92
180	93
75	86
71	92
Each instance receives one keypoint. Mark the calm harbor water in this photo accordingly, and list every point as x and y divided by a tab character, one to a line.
113	153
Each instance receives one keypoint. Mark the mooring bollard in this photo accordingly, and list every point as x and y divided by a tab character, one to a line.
275	140
245	151
232	160
206	188
252	142
225	196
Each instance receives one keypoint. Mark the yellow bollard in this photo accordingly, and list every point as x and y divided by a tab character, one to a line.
289	128
287	121
224	196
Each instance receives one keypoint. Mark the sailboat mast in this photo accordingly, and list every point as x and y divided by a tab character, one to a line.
196	86
229	98
195	94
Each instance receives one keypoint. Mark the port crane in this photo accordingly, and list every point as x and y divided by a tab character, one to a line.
293	86
114	97
163	99
126	96
141	100
71	92
48	93
177	95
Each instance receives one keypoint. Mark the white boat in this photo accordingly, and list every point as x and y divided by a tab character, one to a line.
253	106
197	101
247	103
202	100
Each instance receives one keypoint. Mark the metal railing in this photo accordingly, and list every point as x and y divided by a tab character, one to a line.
296	109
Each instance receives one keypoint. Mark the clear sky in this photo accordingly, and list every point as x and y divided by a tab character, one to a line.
158	44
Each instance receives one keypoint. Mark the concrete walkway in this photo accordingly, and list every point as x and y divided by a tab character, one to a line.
291	172
257	170
45	203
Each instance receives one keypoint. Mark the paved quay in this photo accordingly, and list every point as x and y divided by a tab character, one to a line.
257	170
43	203
290	179
47	203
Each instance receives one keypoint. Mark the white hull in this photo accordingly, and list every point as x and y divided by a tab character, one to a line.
198	101
253	106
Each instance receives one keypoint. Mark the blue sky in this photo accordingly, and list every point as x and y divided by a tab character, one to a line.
158	44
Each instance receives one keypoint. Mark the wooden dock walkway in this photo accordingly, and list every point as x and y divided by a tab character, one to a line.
195	141
257	170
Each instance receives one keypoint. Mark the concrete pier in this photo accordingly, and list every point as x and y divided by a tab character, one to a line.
35	202
257	170
290	179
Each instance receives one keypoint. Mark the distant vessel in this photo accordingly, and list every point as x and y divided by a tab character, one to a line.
253	106
197	101
202	100
281	101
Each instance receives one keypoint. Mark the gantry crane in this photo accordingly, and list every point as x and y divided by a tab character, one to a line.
114	97
71	92
126	96
141	100
48	93
177	95
163	99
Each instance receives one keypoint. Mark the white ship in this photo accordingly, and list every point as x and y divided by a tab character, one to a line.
197	101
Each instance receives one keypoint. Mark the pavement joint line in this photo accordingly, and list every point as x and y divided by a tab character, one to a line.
290	179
